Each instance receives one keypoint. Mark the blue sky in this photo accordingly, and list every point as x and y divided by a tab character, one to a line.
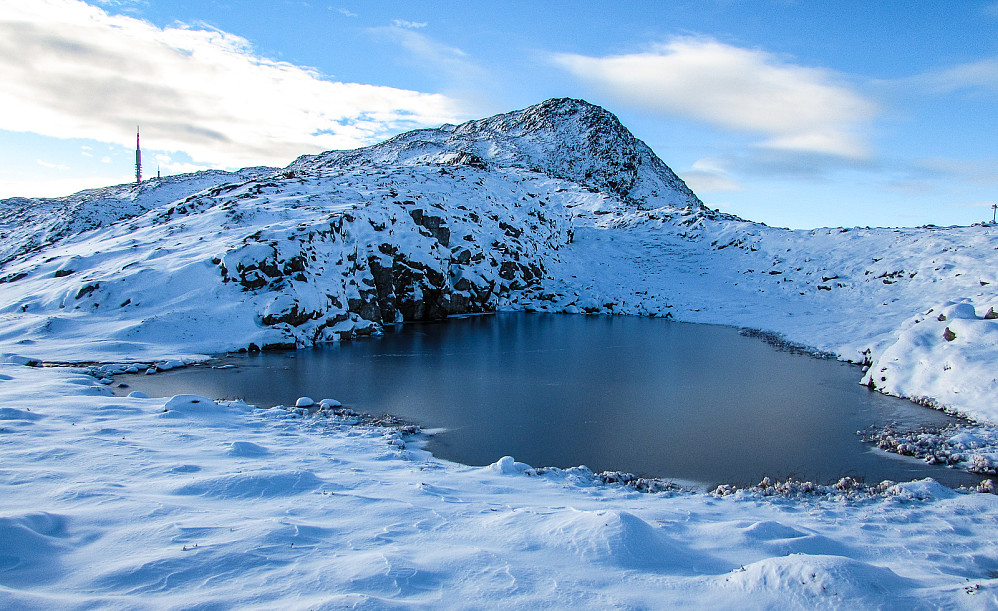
799	114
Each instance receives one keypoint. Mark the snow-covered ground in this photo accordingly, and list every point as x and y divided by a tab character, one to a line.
118	503
149	503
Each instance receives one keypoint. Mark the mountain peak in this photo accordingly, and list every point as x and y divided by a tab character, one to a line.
565	138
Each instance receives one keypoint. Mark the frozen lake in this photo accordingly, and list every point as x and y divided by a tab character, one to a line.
685	401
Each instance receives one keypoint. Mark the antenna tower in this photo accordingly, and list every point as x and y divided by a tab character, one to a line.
138	157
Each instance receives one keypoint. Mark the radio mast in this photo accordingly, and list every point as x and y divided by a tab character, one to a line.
138	157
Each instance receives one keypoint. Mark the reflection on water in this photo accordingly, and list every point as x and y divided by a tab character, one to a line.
648	396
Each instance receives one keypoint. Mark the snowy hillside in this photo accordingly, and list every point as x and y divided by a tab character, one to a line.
137	502
556	207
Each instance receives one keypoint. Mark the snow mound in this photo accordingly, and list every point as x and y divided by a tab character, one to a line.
507	466
801	580
779	539
30	546
614	538
252	485
922	490
191	405
770	530
247	449
944	357
12	413
16	359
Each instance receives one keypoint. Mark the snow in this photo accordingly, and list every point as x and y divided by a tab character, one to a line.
148	503
953	348
348	241
141	502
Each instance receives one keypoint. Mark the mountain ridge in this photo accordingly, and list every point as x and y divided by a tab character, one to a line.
562	137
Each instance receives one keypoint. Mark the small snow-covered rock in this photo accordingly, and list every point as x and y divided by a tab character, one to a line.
922	490
168	365
16	359
304	402
138	394
189	403
247	449
507	466
329	403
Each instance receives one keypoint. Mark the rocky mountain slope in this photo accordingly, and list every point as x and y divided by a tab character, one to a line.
556	207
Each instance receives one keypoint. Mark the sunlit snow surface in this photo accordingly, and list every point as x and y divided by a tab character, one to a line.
111	502
145	503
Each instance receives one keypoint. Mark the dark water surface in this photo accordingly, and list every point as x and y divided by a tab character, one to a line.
652	397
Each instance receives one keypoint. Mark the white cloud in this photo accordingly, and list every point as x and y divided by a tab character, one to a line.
709	176
345	12
168	165
70	70
52	166
411	25
971	171
443	59
981	74
57	186
794	107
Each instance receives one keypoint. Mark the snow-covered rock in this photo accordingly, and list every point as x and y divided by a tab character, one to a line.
507	466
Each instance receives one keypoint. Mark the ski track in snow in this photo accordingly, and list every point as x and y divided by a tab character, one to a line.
150	503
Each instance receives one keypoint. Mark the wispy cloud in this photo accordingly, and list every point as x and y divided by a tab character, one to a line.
450	63
52	166
981	74
70	70
795	108
344	12
709	176
968	171
410	25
